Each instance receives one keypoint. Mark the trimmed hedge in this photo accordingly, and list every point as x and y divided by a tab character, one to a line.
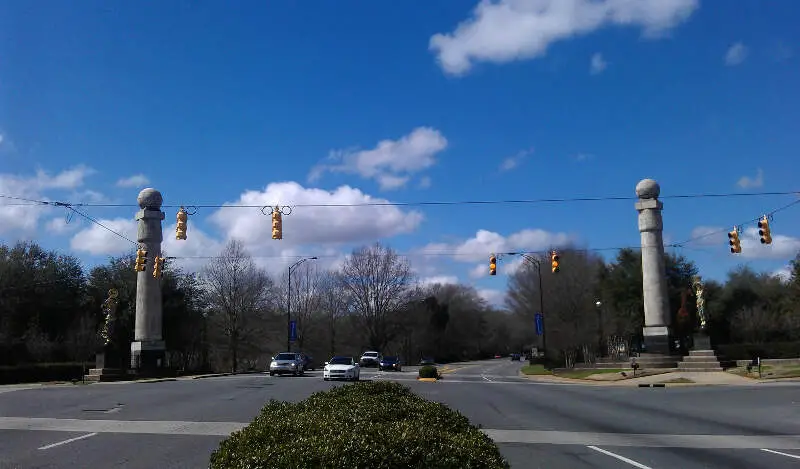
368	425
428	371
40	372
767	350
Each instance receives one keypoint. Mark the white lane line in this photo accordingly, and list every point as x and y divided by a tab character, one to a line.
793	456
82	437
486	378
621	458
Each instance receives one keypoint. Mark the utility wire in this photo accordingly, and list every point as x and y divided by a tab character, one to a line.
26	201
725	230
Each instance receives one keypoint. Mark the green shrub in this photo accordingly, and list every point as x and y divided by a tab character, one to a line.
428	371
368	425
766	350
40	372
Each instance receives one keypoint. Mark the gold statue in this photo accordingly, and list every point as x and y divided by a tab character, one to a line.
700	300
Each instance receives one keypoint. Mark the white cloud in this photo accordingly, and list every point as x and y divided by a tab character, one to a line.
514	161
440	279
736	54
746	182
97	240
391	162
502	31
478	248
424	182
597	64
314	224
63	225
782	247
24	219
493	297
784	273
137	180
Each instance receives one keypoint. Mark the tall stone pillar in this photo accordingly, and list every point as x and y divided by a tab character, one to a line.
654	274
148	348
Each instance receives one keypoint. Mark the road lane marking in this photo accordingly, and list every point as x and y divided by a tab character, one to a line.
793	456
82	437
157	427
621	458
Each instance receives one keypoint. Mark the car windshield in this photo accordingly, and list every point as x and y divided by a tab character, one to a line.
341	361
285	356
389	359
371	354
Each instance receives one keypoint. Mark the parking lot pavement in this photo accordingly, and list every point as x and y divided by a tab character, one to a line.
178	424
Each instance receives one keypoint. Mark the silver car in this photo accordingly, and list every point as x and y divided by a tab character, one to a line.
287	363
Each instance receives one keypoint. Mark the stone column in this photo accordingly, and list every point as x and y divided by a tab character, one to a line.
147	349
654	274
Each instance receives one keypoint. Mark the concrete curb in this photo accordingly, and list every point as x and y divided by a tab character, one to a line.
155	380
219	375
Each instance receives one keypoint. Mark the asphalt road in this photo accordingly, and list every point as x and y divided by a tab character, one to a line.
177	424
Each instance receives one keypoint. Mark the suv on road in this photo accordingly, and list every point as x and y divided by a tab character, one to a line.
287	363
370	358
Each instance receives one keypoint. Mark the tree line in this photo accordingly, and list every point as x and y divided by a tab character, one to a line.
231	315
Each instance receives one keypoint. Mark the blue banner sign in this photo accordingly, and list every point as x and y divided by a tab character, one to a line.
292	331
539	323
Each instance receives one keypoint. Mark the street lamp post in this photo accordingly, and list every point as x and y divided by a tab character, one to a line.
538	264
600	332
289	302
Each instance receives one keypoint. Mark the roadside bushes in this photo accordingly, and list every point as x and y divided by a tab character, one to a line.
765	350
428	371
371	425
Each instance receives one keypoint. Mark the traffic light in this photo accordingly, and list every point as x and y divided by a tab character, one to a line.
734	241
764	231
277	223
492	265
158	266
141	260
180	228
554	261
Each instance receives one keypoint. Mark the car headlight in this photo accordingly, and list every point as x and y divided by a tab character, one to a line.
293	365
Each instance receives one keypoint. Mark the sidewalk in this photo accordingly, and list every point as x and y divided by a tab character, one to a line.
717	378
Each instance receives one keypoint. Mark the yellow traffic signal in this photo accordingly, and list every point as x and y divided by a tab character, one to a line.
277	223
554	258
764	232
180	228
141	260
492	265
158	266
734	241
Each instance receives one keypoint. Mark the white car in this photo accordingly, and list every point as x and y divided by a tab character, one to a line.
345	368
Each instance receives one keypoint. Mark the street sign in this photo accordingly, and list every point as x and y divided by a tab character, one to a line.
539	323
292	331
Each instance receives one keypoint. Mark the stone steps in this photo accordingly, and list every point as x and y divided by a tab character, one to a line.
700	360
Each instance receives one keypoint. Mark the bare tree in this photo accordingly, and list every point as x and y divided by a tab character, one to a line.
335	303
377	279
238	294
306	300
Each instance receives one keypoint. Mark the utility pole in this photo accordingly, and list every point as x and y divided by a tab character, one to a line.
538	264
289	302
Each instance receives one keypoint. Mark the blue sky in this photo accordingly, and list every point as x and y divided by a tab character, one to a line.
340	102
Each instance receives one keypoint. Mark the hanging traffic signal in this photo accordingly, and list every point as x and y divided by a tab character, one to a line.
734	241
554	258
158	266
180	228
764	232
277	223
141	260
492	265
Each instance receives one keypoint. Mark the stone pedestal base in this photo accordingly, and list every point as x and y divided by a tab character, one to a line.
105	374
656	339
701	341
147	357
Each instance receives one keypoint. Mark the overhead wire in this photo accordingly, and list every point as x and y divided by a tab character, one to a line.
23	201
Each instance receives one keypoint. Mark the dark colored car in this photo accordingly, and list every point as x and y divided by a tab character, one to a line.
390	363
427	361
308	362
515	357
